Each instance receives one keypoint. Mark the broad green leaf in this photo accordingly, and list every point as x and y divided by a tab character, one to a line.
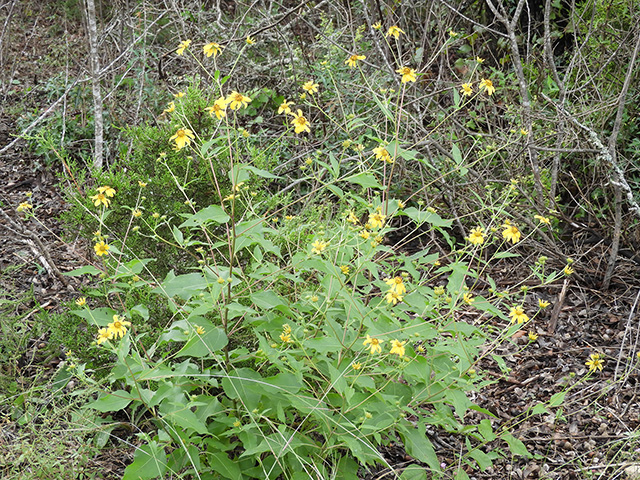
539	409
182	416
259	172
485	429
211	341
141	310
224	466
432	218
515	445
112	402
184	286
364	179
177	235
414	472
83	270
557	399
267	299
419	446
456	154
505	255
149	461
100	317
212	213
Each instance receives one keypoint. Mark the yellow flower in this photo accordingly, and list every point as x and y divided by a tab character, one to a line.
310	87
394	31
104	334
100	198
400	204
517	315
182	138
594	362
397	285
466	89
24	206
382	154
468	298
101	248
179	94
212	48
183	46
408	74
249	40
136	213
107	190
170	108
285	337
376	220
352	218
476	236
439	290
365	234
319	246
568	270
488	86
377	26
542	219
352	61
479	60
285	107
142	184
532	336
286	329
344	269
524	131
81	302
118	327
397	347
237	101
237	423
511	233
543	303
452	34
219	108
300	123
199	330
393	297
356	365
374	344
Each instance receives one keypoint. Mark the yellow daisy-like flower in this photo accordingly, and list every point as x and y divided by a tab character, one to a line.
219	108
397	347
179	94
396	284
524	131
488	86
568	270
344	269
356	365
595	362
285	107
393	297
351	218
100	198
183	46
400	204
543	303
517	315
479	60
250	40
212	48
394	31
532	336
319	246
24	206
199	330
136	213
382	154
365	234
118	327
300	123
104	334
170	108
467	89
408	74
476	236
439	290
101	248
310	87
237	101
107	190
377	26
352	61
81	302
182	138
285	338
376	220
468	298
511	233
542	219
374	344
142	184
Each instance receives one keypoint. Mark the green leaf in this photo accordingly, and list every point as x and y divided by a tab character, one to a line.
211	341
177	235
419	446
505	255
141	310
557	399
112	402
515	445
212	213
539	409
432	218
149	461
183	286
259	172
485	429
413	472
83	270
182	416
223	466
456	154
100	317
267	300
364	179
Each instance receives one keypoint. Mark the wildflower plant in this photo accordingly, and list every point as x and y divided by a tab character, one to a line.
298	346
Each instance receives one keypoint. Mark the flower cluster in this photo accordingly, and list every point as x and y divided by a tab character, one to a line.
375	346
103	196
396	290
116	329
